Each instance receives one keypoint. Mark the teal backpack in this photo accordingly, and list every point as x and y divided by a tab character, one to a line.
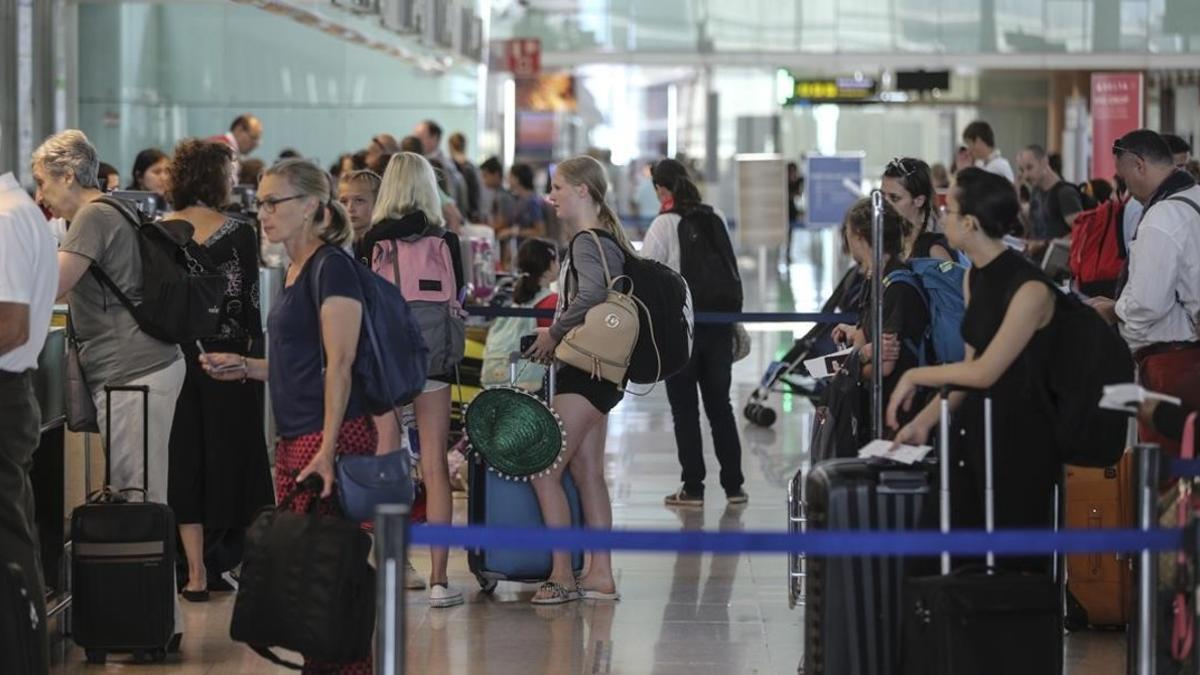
940	284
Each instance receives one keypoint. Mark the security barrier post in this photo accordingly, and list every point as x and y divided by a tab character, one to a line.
1148	462
391	543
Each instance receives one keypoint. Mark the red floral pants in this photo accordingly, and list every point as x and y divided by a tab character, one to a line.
356	437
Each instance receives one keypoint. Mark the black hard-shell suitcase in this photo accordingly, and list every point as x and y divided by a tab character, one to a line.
500	502
977	619
124	564
853	603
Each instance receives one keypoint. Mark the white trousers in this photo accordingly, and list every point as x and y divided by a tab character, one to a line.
125	448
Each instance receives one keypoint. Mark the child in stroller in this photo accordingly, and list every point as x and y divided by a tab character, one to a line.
788	375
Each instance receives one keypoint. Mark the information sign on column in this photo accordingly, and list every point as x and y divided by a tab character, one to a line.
832	183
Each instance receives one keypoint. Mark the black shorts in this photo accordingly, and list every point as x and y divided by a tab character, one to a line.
602	394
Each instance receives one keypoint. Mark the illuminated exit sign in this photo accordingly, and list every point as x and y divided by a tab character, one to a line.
833	90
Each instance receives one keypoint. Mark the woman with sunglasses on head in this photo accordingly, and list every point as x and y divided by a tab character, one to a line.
313	336
1010	305
908	186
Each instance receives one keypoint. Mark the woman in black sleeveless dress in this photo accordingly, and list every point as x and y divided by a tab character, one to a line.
219	475
1010	309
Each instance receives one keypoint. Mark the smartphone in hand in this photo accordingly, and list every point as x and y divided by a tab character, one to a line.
527	342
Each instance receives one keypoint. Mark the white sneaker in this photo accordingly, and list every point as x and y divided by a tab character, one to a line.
444	596
413	581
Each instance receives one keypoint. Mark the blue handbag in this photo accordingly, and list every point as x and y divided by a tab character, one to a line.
366	481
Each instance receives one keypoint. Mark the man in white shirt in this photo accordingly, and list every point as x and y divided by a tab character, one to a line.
28	282
1160	300
981	144
244	135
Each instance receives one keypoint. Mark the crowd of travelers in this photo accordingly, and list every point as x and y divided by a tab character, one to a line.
988	234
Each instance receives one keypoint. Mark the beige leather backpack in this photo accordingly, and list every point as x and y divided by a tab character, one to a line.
603	343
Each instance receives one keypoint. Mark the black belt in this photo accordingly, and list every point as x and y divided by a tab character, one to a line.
9	376
1164	348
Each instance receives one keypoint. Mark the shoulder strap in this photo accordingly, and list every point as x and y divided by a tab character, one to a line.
99	273
1185	200
603	257
123	209
271	656
366	325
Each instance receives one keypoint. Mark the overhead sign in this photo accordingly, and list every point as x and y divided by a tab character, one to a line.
832	183
523	56
1117	109
833	90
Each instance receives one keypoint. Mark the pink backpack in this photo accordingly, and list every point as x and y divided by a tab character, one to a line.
422	268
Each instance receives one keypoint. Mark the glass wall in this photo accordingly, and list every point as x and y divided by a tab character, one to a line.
864	26
150	74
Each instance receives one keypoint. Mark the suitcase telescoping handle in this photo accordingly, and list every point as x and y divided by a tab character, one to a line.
514	359
108	392
989	492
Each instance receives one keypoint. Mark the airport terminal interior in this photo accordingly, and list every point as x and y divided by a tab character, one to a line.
972	149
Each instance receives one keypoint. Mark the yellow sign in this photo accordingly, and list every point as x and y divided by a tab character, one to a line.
837	89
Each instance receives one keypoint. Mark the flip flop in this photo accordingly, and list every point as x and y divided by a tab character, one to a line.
599	595
560	596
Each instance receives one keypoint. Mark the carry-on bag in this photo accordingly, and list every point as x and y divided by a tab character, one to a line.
978	619
305	585
494	500
21	647
1102	583
853	603
123	562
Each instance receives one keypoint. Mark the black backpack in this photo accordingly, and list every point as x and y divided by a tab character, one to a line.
1088	354
182	291
707	262
664	342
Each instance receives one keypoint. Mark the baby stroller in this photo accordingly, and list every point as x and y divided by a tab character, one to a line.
788	375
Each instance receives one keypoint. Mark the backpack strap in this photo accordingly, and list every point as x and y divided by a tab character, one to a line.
1185	200
95	269
909	278
365	325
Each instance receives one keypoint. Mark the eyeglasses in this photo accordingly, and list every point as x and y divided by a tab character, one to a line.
1119	150
898	162
268	205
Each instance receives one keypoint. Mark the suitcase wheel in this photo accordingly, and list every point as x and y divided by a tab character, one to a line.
97	656
150	655
759	414
486	585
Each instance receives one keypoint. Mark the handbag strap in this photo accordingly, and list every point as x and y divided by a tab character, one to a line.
271	656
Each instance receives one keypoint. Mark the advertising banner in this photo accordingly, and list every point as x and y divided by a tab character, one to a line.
1117	109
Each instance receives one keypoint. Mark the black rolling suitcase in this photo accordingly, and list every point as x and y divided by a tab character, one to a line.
853	603
976	619
124	564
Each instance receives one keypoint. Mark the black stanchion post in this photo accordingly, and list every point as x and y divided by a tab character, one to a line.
877	401
1146	619
391	544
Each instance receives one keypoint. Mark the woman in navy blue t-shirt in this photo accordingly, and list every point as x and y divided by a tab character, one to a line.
318	416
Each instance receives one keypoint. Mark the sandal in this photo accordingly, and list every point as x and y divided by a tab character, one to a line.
559	594
601	595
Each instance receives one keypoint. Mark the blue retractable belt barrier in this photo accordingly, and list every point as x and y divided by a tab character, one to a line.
1185	468
700	317
913	543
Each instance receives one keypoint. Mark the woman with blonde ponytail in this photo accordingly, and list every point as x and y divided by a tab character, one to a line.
318	413
583	402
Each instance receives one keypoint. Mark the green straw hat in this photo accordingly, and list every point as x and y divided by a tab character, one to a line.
518	435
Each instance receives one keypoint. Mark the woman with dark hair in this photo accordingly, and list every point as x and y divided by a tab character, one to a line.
1010	305
529	212
905	314
150	171
219	474
108	177
908	187
537	268
710	368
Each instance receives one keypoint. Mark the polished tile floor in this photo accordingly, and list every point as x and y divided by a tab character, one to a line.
685	614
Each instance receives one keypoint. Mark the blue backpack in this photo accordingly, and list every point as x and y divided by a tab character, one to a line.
390	364
940	284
